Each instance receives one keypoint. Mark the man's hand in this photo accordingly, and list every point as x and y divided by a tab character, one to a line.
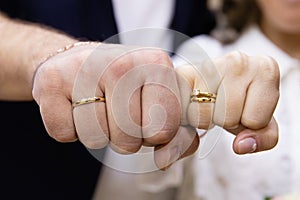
142	100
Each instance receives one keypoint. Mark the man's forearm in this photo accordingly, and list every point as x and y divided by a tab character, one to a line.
22	47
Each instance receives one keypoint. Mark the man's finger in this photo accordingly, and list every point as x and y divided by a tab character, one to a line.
123	93
55	106
91	124
185	143
56	111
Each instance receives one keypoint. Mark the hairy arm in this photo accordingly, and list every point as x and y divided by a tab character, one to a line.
23	46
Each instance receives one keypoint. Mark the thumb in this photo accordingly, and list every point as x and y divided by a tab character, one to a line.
250	141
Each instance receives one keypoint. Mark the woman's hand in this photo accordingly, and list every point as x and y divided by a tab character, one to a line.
247	91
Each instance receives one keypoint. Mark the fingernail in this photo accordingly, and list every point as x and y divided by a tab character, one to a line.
247	145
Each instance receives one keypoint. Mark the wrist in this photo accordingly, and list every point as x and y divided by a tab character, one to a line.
65	48
62	50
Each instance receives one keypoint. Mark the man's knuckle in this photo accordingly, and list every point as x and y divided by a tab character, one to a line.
159	57
49	78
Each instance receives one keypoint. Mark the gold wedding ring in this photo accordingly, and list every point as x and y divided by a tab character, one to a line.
203	97
88	100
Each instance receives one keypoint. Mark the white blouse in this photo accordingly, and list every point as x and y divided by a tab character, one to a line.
225	175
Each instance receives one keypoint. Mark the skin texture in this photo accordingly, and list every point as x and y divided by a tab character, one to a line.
169	127
238	108
18	58
147	101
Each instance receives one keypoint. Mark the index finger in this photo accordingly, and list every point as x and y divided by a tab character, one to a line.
161	107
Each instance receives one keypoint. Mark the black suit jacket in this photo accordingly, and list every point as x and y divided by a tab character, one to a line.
33	165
